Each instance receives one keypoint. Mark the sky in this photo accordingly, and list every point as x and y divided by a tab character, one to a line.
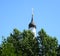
18	13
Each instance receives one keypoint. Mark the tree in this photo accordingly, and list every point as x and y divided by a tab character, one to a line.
8	50
20	44
58	50
30	44
0	51
47	44
24	44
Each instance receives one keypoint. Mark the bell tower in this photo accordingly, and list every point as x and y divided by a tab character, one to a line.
32	25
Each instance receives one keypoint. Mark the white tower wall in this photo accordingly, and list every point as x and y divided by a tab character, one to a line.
33	30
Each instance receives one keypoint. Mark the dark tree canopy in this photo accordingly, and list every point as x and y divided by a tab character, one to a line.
24	44
47	44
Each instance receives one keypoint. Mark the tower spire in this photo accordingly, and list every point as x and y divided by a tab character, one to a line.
32	25
32	11
32	15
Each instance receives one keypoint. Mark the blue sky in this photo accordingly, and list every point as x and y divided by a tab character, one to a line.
17	14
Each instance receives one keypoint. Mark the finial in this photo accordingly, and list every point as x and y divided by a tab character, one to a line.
32	15
32	11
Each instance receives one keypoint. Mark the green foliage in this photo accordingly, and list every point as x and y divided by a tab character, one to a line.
58	50
20	44
24	44
47	44
8	49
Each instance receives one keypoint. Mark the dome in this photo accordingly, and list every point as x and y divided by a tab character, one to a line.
32	24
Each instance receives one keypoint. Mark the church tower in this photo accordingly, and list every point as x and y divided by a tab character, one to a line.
32	25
